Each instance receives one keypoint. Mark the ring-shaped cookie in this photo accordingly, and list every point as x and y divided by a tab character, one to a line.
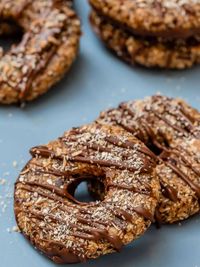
168	19
48	47
171	129
69	231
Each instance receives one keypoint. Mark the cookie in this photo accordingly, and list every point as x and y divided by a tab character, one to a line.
168	19
148	52
47	50
171	129
69	231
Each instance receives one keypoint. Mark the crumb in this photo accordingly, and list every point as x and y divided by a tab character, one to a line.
2	181
14	163
14	229
23	104
10	115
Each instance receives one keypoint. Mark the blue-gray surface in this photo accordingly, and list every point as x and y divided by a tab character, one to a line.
97	81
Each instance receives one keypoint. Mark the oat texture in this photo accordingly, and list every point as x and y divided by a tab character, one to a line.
69	231
48	47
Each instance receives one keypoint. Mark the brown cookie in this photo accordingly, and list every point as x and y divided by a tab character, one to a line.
47	49
67	230
149	52
171	129
168	19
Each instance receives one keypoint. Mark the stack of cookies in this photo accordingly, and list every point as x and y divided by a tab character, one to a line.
161	33
141	161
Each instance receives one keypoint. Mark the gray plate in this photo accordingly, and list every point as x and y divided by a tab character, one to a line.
97	81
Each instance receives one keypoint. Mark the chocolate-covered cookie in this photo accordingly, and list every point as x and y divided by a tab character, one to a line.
162	34
149	52
48	47
67	230
171	129
168	19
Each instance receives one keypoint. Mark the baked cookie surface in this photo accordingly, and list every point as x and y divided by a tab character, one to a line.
169	19
171	129
148	52
67	230
48	47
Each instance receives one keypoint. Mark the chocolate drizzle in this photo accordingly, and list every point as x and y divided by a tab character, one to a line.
168	191
81	155
47	26
150	121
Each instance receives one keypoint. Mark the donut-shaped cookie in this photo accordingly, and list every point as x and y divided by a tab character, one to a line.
169	19
48	47
171	129
67	230
148	52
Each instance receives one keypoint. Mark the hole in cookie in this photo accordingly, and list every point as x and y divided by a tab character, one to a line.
96	189
87	190
81	193
10	34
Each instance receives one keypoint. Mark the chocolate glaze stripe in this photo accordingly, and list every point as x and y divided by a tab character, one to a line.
88	233
70	209
83	235
54	172
183	117
93	221
56	198
61	250
195	158
33	74
185	178
168	191
130	188
94	233
57	191
60	192
144	213
175	127
98	224
114	141
124	214
48	56
186	162
105	163
128	145
125	108
187	115
138	132
51	196
44	152
131	130
62	174
166	155
96	147
140	210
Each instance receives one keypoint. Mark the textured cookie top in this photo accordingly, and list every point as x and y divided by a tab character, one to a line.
146	51
156	119
67	230
171	129
48	26
163	18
